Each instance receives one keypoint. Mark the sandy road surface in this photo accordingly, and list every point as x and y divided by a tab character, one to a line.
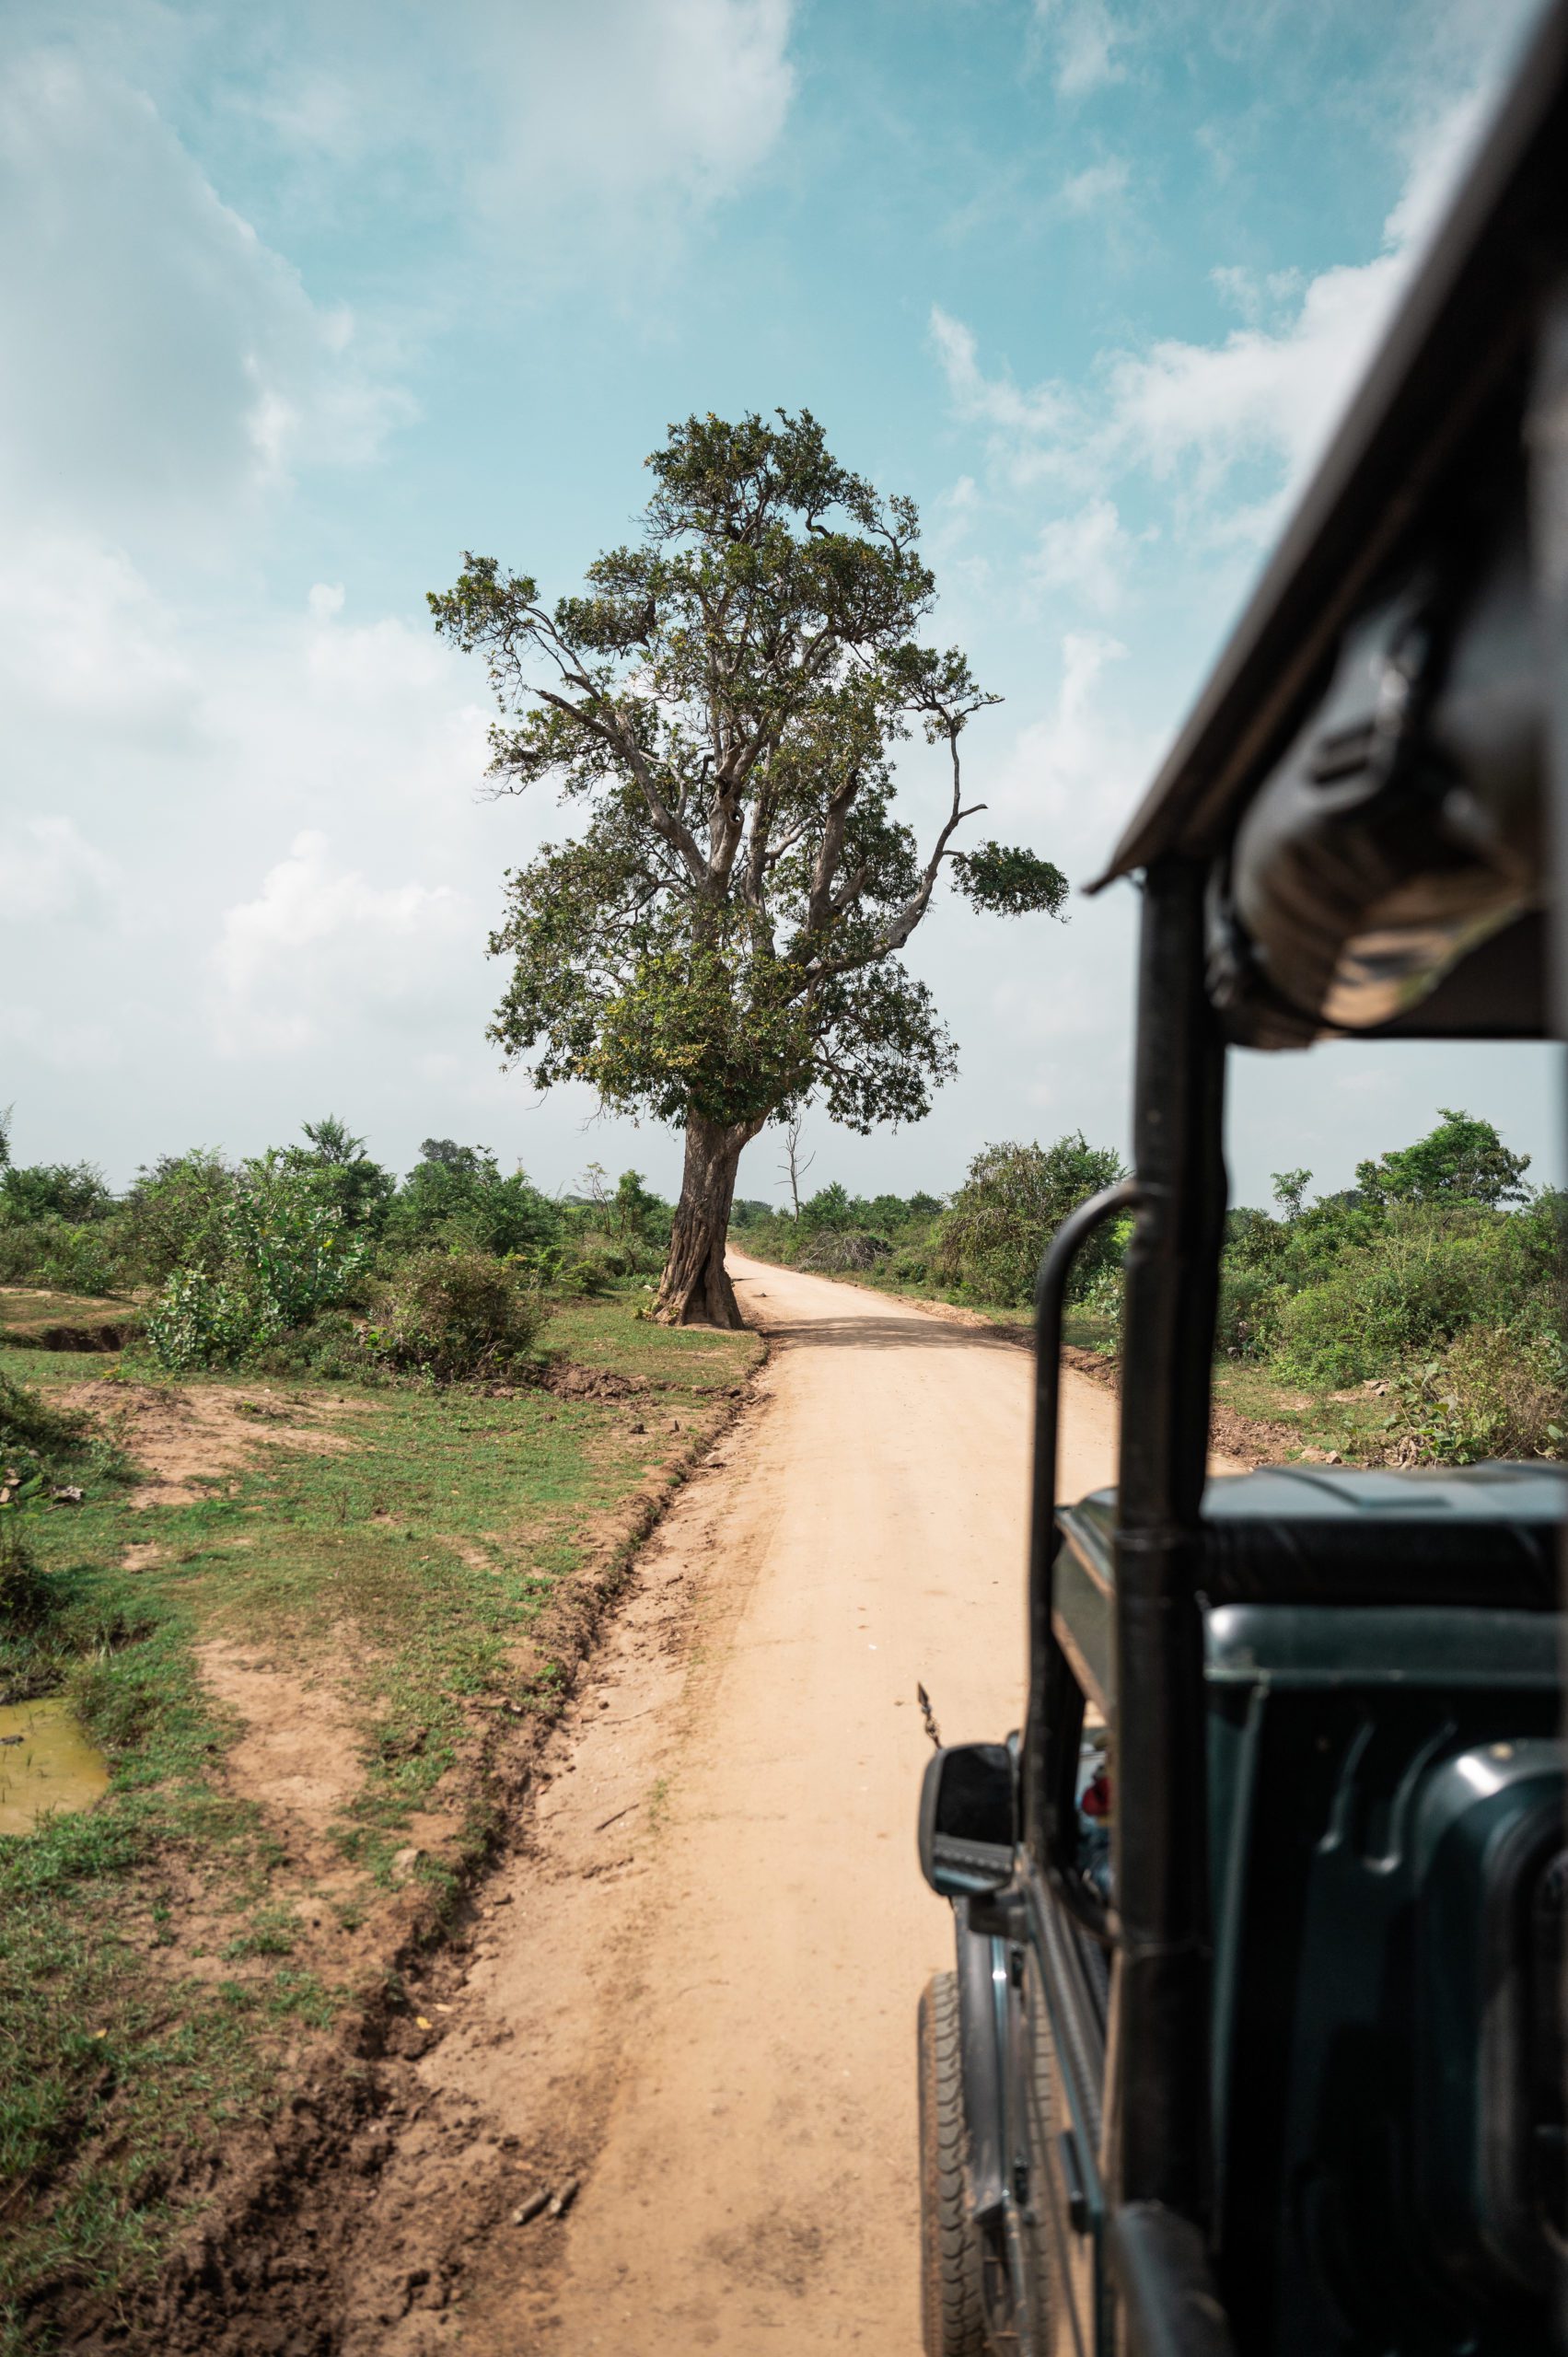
699	1992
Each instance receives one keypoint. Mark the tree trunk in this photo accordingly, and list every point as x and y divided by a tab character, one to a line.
695	1290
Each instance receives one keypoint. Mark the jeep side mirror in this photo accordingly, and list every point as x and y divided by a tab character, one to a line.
967	1820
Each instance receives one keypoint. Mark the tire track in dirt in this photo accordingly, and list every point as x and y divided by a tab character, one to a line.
693	1988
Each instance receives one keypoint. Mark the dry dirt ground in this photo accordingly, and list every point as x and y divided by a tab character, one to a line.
684	2004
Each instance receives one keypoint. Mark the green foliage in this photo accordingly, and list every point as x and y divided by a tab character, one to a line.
1425	1277
1489	1394
994	1231
1010	882
721	939
1290	1192
456	1314
637	1215
841	1234
282	1253
178	1213
85	1256
456	1196
33	1433
42	1448
361	1188
65	1190
1463	1160
829	1207
1417	1286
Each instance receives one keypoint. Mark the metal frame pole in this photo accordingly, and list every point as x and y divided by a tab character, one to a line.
1159	2147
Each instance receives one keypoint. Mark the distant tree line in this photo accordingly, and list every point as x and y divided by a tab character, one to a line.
1435	1279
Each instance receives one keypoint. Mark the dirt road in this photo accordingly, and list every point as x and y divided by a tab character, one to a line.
697	1992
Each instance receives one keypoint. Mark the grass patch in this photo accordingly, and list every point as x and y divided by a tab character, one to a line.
161	1956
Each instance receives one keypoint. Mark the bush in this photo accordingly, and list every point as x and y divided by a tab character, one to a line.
991	1238
1431	1276
332	1347
455	1195
1489	1394
360	1190
1252	1301
90	1258
282	1255
67	1190
590	1274
36	1439
41	1446
177	1215
457	1315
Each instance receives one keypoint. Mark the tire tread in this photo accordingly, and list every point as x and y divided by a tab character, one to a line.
952	2302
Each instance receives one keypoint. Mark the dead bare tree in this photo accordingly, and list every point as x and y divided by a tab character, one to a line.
792	1165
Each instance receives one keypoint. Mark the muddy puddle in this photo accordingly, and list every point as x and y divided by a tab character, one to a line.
47	1764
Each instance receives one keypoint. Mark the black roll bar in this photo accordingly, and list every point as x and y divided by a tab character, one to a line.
1040	1831
1159	2155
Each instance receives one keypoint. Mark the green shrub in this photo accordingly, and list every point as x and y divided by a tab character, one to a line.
37	1440
1252	1301
1491	1393
283	1256
1431	1276
68	1190
24	1593
177	1215
831	1207
359	1189
640	1220
91	1256
41	1446
332	1347
991	1238
588	1275
451	1315
455	1195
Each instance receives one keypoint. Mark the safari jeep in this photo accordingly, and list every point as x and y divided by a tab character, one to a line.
1253	2042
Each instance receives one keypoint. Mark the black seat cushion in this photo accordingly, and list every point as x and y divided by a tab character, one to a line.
1478	1535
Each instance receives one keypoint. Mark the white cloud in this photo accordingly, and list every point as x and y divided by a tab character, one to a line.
1098	186
157	362
83	636
537	132
1085	39
53	872
321	946
1024	417
682	96
1085	554
1075	769
1214	422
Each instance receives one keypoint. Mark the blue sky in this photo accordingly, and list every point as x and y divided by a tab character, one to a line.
298	302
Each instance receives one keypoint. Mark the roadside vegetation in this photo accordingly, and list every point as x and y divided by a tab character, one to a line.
312	1482
1415	1317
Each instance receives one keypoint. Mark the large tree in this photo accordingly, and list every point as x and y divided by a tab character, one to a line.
718	941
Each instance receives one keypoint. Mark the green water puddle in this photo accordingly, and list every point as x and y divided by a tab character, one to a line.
47	1764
